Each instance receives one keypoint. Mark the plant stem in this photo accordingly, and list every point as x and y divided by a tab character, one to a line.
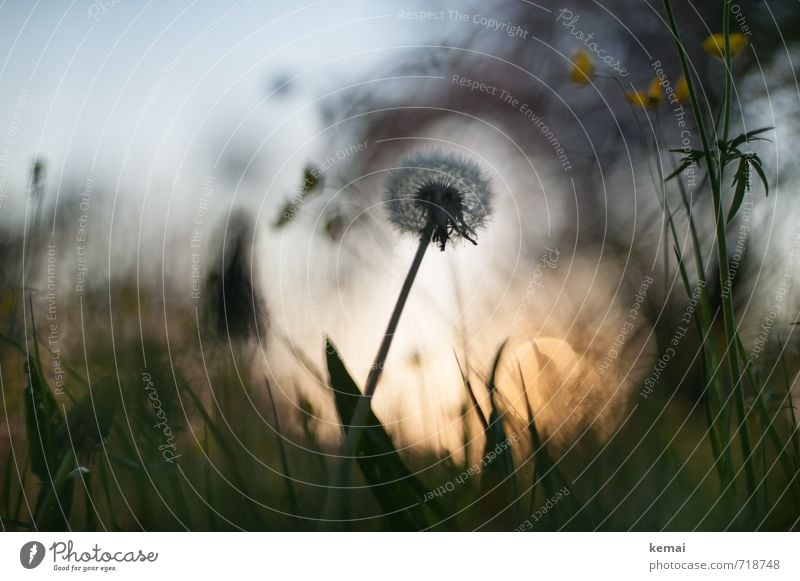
726	102
353	434
360	414
383	350
728	317
287	477
725	279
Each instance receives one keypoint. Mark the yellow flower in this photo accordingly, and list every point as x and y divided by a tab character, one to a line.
649	99
682	90
715	44
582	68
639	98
654	92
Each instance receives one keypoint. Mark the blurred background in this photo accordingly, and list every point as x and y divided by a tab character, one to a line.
191	202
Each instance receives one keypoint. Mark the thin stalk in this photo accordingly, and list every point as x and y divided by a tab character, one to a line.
353	435
722	247
706	335
388	336
693	99
287	477
726	102
702	320
701	332
730	323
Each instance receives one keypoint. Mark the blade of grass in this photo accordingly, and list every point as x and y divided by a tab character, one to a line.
498	479
794	435
769	424
21	492
286	476
397	491
473	400
51	491
219	437
112	517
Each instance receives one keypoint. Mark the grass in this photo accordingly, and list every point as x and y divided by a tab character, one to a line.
658	471
716	159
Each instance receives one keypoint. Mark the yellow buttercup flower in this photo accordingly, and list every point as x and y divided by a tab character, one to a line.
715	44
649	99
582	68
654	92
639	98
682	90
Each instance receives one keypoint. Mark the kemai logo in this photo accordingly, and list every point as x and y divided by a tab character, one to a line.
31	554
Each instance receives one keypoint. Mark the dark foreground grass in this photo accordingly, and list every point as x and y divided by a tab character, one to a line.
99	457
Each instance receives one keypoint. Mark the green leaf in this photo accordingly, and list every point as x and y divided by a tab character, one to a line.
691	156
679	170
740	180
684	275
732	154
398	492
749	136
755	161
41	419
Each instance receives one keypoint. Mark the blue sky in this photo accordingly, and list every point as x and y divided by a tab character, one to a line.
88	83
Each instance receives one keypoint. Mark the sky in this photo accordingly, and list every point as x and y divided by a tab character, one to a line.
98	87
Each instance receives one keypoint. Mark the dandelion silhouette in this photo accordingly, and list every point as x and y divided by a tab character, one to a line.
435	196
438	192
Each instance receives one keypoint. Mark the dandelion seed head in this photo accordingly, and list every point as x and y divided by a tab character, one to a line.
441	193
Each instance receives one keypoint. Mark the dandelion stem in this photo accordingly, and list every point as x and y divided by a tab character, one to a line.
383	351
353	434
